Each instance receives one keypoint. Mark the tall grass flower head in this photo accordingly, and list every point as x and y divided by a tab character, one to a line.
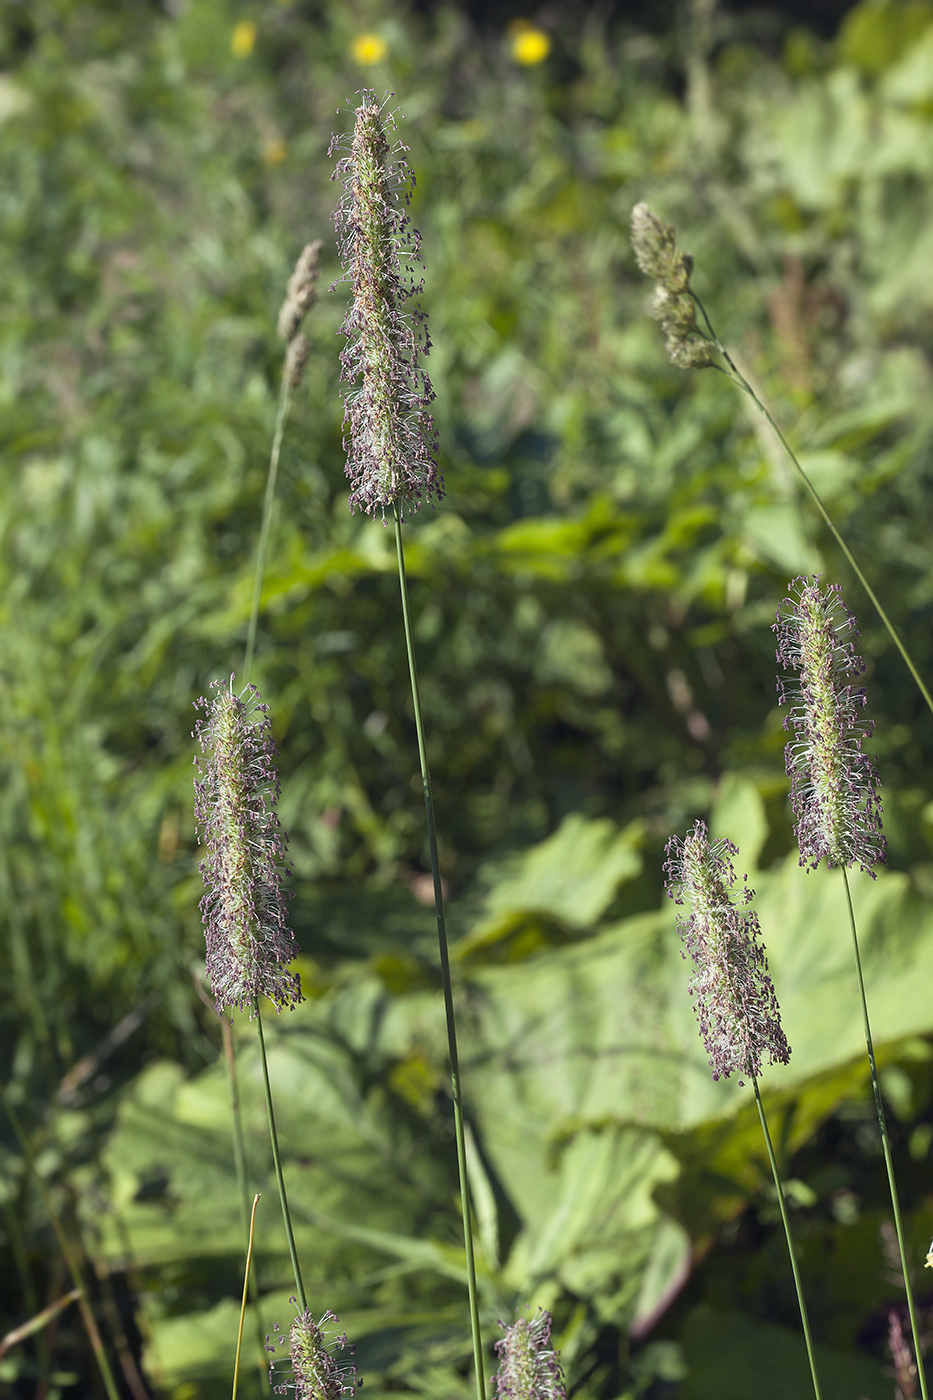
300	296
834	784
654	243
905	1367
734	998
389	430
529	1368
318	1372
249	944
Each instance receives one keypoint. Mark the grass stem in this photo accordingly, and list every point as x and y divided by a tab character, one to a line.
735	374
274	1139
445	972
37	1323
281	417
249	1260
888	1161
798	1284
239	1165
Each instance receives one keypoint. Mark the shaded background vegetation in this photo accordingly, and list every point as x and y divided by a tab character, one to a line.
593	603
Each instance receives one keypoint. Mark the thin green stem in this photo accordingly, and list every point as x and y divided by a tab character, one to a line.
285	400
274	1139
239	1166
445	973
888	1161
90	1322
249	1260
798	1284
739	379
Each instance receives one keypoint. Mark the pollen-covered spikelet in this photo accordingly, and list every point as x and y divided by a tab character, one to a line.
529	1369
734	998
248	941
391	446
317	1371
655	247
834	785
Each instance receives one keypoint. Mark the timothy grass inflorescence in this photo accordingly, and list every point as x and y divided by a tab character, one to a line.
301	292
300	296
734	997
391	462
655	246
834	785
529	1368
317	1372
248	941
391	446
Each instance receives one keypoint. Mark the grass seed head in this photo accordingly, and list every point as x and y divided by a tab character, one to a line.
834	785
655	246
391	445
248	941
734	998
318	1372
529	1369
301	293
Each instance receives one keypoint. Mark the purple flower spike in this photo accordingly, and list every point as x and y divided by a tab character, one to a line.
248	941
391	446
905	1367
317	1373
834	785
528	1368
734	997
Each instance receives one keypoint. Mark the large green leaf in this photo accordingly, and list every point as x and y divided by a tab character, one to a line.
556	888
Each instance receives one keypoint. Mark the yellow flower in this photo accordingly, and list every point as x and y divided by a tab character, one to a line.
274	151
243	39
530	45
369	48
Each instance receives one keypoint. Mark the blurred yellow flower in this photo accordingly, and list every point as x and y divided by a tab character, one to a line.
530	45
274	151
243	39
369	48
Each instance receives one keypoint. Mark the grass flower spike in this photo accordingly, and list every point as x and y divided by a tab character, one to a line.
317	1373
391	447
300	296
528	1367
296	357
653	242
834	785
834	793
905	1368
676	305
301	292
248	942
391	463
734	998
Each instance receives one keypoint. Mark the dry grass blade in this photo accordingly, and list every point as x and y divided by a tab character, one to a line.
35	1324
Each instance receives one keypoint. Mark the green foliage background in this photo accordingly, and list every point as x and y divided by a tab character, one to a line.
593	603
